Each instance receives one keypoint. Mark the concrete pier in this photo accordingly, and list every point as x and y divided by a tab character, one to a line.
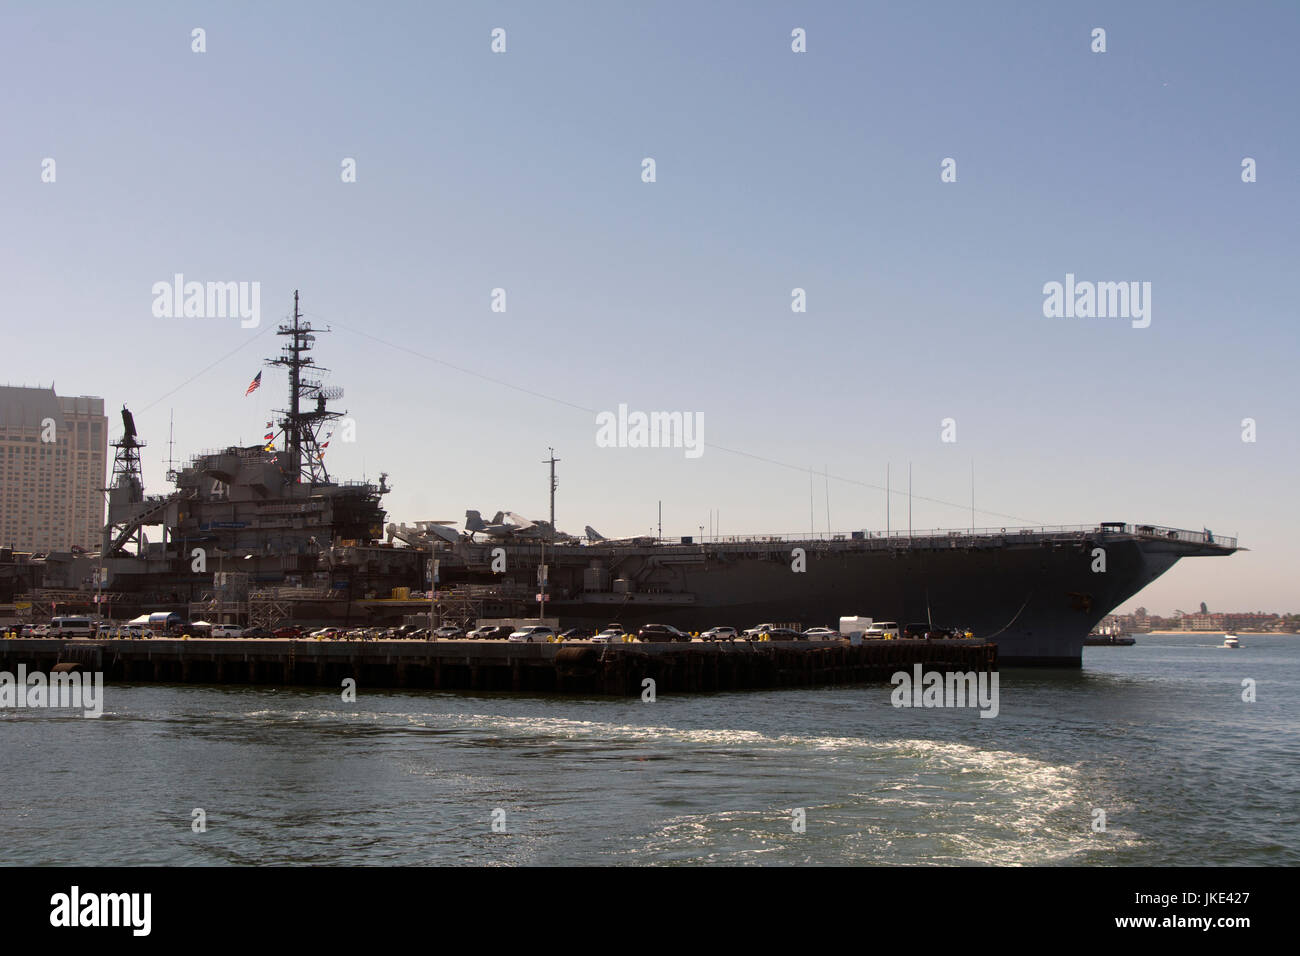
568	668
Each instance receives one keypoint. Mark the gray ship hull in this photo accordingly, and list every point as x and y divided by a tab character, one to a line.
1037	596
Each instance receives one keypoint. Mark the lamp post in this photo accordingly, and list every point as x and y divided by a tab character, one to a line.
433	583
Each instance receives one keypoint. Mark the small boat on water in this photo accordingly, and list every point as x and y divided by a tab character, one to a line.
1109	636
1230	640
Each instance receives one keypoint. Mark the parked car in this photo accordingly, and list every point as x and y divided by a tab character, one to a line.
821	634
41	630
532	634
660	634
115	629
610	635
227	630
782	634
260	633
291	633
720	634
754	633
916	632
448	631
576	634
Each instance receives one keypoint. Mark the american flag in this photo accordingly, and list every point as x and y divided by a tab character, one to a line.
253	385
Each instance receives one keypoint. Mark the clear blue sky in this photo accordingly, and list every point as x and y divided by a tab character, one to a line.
775	170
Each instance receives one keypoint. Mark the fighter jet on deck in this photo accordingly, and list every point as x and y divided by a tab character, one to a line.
595	537
424	532
507	524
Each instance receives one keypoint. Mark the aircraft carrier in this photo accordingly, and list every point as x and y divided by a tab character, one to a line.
1036	592
264	535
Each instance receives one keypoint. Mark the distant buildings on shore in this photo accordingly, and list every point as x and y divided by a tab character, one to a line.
53	457
1204	620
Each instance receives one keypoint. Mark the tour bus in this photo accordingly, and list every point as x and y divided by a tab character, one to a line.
74	626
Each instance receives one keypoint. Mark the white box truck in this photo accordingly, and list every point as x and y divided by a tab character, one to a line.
853	628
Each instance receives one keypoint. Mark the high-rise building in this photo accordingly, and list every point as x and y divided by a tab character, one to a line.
53	459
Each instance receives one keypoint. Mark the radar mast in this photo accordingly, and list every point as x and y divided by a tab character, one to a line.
302	428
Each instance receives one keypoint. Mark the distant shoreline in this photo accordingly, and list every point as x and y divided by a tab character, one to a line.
1217	633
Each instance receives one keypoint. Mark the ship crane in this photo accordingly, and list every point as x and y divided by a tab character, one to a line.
129	510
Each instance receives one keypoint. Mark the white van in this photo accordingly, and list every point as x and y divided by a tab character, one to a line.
72	627
227	630
882	630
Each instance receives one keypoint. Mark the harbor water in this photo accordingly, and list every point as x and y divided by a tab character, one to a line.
1156	737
